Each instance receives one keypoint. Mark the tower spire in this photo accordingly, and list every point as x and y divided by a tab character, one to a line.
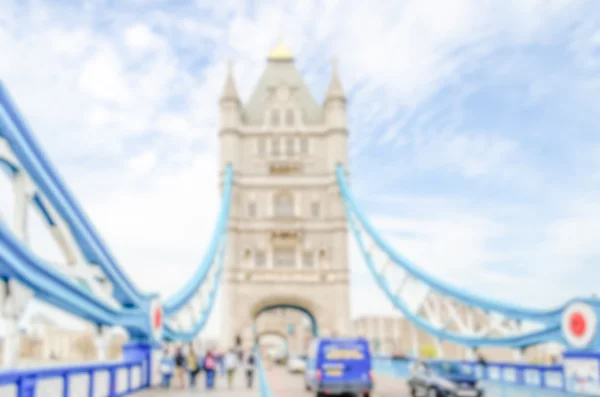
230	90
335	90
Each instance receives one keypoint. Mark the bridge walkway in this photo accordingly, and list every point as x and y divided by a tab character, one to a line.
239	388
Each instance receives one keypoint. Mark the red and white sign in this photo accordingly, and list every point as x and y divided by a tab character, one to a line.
579	324
156	319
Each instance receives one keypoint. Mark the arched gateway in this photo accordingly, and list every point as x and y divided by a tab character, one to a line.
287	243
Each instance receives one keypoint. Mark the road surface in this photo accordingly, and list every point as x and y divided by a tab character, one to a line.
284	384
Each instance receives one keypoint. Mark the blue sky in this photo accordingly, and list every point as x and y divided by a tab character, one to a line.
474	125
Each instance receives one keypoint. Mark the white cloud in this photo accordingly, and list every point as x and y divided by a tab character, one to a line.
102	78
143	163
139	37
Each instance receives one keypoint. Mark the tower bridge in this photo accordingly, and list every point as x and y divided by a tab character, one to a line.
280	242
288	235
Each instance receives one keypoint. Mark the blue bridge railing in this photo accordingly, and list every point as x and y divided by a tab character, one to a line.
263	379
88	380
529	380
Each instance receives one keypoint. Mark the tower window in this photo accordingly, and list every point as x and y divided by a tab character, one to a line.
284	257
315	210
308	259
284	205
322	257
261	146
275	117
289	117
304	145
275	147
260	259
252	209
289	146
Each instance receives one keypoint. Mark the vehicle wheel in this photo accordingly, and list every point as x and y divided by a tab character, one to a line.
432	393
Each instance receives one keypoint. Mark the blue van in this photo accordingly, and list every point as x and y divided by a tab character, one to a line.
339	366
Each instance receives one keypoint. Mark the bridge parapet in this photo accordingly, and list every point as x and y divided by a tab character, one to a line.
138	370
579	374
111	378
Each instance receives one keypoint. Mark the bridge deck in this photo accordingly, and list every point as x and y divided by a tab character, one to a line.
239	388
284	384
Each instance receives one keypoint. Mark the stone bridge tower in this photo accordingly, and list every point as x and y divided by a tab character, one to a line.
288	233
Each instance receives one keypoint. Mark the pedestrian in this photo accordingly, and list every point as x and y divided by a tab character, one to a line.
179	368
166	369
192	365
231	364
221	360
250	365
210	364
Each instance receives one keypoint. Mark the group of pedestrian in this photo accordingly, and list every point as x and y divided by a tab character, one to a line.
175	367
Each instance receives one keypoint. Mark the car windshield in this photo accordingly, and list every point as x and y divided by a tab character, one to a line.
448	369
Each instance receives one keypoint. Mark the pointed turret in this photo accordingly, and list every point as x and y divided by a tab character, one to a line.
230	92
335	90
231	120
335	121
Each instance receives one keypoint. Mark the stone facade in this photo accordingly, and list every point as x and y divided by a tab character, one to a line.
45	342
287	232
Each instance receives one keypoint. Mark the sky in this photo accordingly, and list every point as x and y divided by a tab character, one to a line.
474	144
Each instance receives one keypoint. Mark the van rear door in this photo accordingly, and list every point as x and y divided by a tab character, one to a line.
345	361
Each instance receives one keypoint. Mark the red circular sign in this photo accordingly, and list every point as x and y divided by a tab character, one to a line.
577	324
157	318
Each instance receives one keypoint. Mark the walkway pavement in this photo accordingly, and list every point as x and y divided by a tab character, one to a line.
239	389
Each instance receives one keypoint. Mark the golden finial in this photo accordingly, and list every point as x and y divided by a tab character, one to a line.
280	52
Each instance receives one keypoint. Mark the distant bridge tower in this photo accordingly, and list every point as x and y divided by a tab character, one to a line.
288	234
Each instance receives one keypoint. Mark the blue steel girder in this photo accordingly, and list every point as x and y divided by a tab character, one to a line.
548	325
188	335
174	303
25	147
183	302
16	261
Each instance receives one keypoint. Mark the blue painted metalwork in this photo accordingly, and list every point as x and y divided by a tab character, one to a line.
28	151
182	297
12	171
26	380
551	318
263	380
313	320
189	335
16	261
511	377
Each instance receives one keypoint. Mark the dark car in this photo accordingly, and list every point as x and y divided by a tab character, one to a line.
439	379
